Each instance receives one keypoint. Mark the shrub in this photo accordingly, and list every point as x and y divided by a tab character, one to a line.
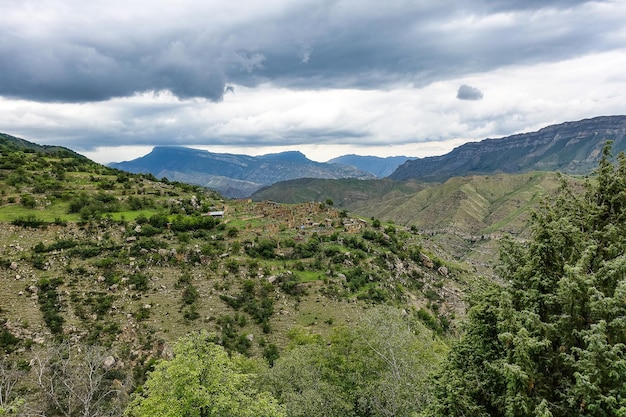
190	294
188	223
271	353
262	248
139	280
49	304
28	201
430	321
191	313
8	342
30	221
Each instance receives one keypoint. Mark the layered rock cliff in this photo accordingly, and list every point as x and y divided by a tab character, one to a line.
571	147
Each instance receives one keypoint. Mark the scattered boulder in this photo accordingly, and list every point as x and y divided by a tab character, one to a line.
426	261
108	362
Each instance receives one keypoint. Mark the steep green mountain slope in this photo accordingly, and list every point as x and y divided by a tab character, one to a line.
474	205
345	193
15	143
465	215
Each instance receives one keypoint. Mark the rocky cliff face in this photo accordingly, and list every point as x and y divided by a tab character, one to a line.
571	147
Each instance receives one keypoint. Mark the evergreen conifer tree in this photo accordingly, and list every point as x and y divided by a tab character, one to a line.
551	341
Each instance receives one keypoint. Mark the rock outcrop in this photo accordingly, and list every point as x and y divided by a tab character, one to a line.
571	148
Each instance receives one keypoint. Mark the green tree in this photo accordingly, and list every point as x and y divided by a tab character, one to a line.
202	381
552	340
300	379
378	367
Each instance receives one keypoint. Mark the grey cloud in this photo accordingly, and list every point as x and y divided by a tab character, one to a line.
321	44
467	92
172	136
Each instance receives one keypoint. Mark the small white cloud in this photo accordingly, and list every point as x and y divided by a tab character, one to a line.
304	54
467	92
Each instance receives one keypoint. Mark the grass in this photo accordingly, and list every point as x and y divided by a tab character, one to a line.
10	212
308	276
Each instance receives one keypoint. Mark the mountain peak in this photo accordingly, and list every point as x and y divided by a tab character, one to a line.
287	156
234	175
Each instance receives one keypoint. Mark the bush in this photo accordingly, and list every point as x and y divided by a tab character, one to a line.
28	201
188	223
430	321
8	342
49	304
191	313
139	280
271	353
308	249
30	221
262	248
190	294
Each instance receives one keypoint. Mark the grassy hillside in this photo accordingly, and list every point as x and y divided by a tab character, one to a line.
475	205
471	205
102	256
345	193
104	270
465	215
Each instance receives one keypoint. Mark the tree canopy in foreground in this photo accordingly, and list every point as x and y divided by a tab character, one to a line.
552	340
202	381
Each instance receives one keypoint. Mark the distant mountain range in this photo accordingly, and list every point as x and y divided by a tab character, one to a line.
231	174
571	148
381	167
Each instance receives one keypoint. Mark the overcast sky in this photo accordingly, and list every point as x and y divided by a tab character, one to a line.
111	79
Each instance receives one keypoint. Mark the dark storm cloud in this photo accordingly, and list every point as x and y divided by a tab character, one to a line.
80	53
467	92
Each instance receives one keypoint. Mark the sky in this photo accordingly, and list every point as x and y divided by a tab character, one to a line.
112	79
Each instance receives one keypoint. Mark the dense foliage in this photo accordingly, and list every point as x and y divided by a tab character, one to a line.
552	340
202	381
380	366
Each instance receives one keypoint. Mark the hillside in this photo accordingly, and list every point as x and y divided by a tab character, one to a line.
230	174
9	142
102	256
344	193
472	205
572	148
465	215
115	283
